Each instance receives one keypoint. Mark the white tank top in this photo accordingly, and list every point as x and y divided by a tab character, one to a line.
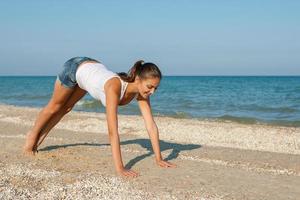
91	77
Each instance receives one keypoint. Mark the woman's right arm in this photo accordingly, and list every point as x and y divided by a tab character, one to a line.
112	91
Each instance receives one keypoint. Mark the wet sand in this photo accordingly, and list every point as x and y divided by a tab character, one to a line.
216	160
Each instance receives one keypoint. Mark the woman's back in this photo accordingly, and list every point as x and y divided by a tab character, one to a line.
92	78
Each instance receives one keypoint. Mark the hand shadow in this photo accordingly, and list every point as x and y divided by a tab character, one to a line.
145	143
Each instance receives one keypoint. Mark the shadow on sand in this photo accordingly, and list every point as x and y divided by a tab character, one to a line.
144	143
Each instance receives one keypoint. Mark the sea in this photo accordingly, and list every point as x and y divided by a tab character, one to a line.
271	100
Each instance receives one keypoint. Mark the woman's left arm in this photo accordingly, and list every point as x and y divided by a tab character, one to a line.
152	130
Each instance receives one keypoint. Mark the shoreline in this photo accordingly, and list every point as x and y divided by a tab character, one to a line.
229	134
221	119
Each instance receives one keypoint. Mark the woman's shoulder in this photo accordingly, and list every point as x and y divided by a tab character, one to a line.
113	84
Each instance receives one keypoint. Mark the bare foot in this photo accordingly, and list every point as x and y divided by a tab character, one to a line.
30	148
28	151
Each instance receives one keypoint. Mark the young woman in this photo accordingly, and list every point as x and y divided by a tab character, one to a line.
83	74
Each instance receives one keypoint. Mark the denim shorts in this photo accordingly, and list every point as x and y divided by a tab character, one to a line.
67	76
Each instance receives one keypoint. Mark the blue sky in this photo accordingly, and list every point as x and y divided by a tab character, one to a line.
182	37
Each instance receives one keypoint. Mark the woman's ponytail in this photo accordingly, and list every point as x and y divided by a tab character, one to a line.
141	69
132	73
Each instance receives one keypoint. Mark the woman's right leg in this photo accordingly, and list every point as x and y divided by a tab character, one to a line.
74	98
60	95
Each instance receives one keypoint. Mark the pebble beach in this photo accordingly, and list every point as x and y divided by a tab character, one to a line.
216	160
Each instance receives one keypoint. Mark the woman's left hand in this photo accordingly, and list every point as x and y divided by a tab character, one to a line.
165	164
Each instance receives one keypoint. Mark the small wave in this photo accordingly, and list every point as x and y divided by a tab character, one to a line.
27	97
88	103
251	120
244	120
180	115
286	123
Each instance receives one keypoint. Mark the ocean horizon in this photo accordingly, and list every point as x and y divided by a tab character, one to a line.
272	99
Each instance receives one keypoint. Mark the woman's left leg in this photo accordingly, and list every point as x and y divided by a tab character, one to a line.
59	97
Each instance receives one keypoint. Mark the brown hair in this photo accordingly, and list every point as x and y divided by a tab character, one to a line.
141	69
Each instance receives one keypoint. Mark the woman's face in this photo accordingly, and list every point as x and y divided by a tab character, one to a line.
148	86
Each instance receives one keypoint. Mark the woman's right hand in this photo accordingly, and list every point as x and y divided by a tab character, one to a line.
127	173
